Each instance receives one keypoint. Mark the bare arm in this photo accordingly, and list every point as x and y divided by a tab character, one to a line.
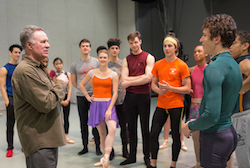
82	86
54	79
69	87
115	82
155	88
184	89
125	72
245	69
137	80
66	102
74	80
191	69
3	75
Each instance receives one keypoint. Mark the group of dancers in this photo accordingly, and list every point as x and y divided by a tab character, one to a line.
111	91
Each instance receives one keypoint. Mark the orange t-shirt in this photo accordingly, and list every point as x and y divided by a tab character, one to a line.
173	73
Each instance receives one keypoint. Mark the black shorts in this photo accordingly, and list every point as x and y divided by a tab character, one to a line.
217	147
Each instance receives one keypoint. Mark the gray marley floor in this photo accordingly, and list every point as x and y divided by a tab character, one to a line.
68	157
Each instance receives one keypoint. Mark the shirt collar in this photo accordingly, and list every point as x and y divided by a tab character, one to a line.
218	55
239	59
32	62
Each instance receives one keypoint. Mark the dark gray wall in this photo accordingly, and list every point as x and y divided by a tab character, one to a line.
184	17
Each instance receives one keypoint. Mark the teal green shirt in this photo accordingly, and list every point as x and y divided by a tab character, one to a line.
222	83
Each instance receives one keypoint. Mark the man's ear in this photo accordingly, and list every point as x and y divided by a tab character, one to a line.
28	45
217	39
246	46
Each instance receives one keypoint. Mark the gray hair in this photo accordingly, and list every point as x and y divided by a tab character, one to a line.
27	34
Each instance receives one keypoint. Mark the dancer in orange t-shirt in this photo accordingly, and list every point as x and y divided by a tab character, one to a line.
171	79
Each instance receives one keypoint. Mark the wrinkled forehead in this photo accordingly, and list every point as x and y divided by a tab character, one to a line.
39	34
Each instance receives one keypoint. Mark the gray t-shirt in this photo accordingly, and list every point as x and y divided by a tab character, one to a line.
80	68
117	67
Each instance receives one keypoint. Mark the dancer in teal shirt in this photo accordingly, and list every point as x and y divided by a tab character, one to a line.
222	83
222	79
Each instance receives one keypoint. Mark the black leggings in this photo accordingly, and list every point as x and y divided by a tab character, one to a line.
121	114
187	104
66	110
10	123
159	119
138	105
83	110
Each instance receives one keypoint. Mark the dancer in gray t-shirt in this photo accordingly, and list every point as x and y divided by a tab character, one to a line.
78	70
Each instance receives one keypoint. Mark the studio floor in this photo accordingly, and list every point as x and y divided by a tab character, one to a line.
68	157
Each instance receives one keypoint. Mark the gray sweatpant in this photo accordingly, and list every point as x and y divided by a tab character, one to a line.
43	158
241	123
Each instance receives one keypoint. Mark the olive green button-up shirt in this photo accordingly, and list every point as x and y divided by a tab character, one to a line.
36	106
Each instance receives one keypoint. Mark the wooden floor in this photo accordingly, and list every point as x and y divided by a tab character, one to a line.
68	157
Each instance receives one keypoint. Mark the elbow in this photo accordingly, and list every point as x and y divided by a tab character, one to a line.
47	108
215	120
124	78
148	79
188	91
115	95
81	86
74	84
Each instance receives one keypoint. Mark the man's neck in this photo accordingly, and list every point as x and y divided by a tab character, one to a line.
244	53
114	58
85	57
219	49
30	55
137	52
171	58
13	62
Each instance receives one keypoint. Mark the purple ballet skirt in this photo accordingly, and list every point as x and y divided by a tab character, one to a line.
97	112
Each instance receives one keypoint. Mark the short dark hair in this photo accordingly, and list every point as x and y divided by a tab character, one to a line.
223	25
57	58
100	48
15	45
84	41
112	42
133	35
244	37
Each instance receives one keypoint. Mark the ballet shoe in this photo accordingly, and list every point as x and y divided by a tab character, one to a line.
164	144
69	141
105	161
98	164
183	146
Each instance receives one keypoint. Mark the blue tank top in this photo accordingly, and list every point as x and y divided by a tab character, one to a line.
244	100
10	69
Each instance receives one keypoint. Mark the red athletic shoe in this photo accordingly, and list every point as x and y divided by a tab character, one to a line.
9	153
